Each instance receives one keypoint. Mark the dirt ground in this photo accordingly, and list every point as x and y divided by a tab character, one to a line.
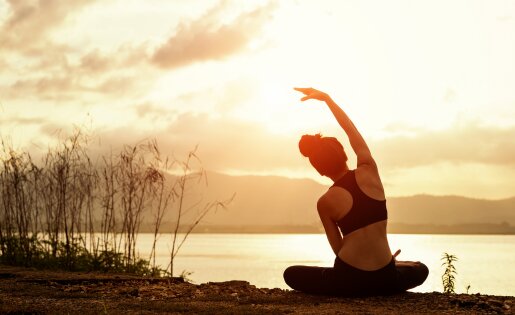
27	291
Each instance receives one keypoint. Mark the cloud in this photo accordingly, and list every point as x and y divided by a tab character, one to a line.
95	62
39	68
17	120
224	143
151	111
96	74
205	39
115	85
230	144
126	56
30	21
223	97
462	144
42	87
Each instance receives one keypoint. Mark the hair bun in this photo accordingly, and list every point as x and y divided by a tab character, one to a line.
309	144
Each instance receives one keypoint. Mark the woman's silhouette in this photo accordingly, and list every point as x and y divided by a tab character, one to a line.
353	213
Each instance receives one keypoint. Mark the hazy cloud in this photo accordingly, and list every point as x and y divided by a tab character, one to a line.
95	74
151	111
228	144
115	85
64	87
462	144
94	62
207	39
223	143
29	21
41	87
126	56
224	97
48	70
17	120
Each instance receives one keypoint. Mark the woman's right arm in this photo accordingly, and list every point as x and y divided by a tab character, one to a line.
325	207
357	142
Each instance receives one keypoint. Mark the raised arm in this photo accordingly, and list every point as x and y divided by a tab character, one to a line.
357	142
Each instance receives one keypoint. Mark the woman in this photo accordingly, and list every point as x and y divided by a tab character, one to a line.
353	213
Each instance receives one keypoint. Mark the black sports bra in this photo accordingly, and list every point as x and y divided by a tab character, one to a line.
364	210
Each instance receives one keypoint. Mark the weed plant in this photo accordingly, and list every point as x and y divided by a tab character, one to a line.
448	277
69	212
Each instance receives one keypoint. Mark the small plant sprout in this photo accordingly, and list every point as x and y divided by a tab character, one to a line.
448	277
185	275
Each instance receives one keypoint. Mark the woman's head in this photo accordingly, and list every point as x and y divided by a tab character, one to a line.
326	154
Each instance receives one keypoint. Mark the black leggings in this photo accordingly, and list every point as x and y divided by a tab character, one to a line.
346	280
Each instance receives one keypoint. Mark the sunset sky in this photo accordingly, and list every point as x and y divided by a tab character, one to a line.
430	84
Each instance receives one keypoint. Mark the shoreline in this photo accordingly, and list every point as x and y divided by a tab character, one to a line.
25	290
393	228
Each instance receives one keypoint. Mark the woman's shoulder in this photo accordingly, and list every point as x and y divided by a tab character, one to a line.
369	181
336	202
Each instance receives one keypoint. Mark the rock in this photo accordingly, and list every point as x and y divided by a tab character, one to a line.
463	302
133	292
495	302
232	283
7	275
483	305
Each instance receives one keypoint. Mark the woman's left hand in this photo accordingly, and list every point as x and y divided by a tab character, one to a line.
311	93
396	254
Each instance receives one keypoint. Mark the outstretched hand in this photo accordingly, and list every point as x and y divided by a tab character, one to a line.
403	263
311	93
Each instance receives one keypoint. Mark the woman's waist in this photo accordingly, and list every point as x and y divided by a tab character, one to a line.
366	253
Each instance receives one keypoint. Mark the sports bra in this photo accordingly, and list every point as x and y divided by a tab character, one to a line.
364	211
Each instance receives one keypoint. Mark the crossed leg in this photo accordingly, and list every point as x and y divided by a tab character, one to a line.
411	274
313	280
327	281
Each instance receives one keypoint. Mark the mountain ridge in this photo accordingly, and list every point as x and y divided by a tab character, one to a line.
263	201
258	176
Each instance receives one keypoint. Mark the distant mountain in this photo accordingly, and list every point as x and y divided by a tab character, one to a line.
260	200
279	203
426	209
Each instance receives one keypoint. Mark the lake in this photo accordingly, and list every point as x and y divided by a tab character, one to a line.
485	262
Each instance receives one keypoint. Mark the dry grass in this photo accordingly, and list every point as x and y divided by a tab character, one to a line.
71	212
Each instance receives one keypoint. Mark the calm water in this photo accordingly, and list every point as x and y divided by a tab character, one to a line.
486	262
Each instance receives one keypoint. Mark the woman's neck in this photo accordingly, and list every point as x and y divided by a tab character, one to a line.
339	175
